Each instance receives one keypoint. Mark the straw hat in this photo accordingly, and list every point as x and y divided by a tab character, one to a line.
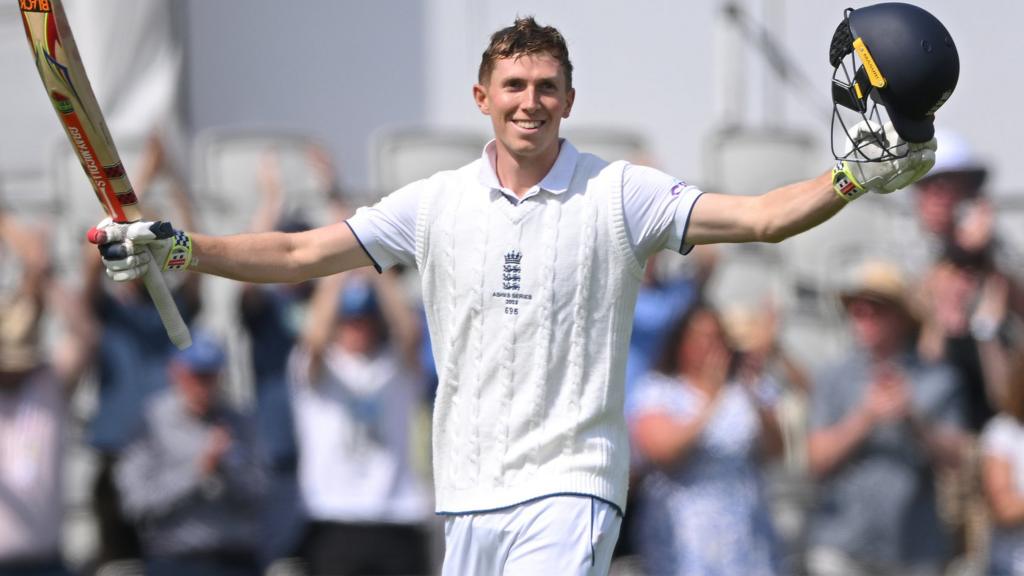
880	281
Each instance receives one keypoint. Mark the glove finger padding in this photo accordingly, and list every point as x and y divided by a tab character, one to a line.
146	232
128	268
128	248
910	169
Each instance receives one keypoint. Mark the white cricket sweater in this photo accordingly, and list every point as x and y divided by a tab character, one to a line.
530	309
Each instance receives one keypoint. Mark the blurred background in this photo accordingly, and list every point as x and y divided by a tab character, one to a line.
249	115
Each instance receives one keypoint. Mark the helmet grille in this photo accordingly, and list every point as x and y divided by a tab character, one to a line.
842	43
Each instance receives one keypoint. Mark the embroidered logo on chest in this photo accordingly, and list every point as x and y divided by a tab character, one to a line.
511	283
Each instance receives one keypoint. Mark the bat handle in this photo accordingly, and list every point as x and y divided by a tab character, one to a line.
176	328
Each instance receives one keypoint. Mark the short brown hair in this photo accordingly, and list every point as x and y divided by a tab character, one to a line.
523	38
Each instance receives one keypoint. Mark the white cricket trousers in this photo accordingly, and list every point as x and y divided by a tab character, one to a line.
556	535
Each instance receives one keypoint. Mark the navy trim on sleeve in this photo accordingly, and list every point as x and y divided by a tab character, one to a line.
686	228
363	246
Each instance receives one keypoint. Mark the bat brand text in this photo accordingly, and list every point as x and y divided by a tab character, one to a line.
87	158
35	5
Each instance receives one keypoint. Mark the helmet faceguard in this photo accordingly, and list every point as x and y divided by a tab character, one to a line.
891	62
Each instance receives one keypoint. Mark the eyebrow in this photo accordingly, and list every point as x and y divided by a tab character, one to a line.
544	80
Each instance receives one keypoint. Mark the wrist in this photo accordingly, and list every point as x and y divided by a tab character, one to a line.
845	184
180	255
863	420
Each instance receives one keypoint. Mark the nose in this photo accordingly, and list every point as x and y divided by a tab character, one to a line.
531	100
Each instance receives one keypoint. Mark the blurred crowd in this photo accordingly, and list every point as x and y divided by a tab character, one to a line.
903	455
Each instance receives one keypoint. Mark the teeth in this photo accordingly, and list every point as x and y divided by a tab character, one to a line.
529	124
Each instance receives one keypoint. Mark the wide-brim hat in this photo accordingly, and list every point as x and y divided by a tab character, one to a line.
880	281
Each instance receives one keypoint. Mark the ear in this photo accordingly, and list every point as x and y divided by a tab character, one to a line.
570	97
480	97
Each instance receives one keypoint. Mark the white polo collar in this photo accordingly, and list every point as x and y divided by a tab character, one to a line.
556	181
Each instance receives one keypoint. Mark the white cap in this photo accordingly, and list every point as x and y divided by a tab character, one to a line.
954	155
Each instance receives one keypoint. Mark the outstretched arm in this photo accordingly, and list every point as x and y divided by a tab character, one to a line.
790	210
265	257
272	257
771	217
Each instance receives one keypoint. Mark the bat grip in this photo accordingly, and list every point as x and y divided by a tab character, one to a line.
176	328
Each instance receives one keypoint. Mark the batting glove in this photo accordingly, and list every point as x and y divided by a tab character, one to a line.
127	249
852	178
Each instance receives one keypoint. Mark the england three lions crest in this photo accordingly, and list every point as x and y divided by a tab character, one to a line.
512	283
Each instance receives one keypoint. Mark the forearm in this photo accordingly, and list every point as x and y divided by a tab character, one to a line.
665	441
403	323
790	210
828	448
322	314
770	217
277	257
268	257
1008	512
1006	503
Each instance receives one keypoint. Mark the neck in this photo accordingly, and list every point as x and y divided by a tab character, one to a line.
520	173
700	383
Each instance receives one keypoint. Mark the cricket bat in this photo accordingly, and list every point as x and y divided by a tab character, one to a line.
67	85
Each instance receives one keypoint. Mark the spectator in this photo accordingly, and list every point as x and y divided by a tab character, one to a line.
272	316
701	509
191	481
34	395
355	386
967	301
1003	475
131	365
882	422
661	302
951	190
761	357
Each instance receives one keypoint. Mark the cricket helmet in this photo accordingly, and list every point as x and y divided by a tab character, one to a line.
894	58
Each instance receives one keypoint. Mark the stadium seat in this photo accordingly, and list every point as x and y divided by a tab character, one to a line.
400	155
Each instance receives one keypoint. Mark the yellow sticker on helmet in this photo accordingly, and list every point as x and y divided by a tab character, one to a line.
874	74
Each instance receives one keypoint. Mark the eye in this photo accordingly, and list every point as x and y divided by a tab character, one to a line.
548	86
514	84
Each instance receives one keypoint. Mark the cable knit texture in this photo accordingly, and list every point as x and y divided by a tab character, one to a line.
530	308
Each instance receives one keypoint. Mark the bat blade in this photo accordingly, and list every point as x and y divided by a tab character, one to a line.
63	75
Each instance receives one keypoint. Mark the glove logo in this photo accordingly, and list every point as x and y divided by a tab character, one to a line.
180	254
843	185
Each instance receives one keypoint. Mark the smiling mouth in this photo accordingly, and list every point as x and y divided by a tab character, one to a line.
528	124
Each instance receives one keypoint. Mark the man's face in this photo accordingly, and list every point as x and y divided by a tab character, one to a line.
359	334
198	391
526	98
937	201
877	325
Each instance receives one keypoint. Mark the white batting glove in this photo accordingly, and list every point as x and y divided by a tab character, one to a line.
852	179
127	249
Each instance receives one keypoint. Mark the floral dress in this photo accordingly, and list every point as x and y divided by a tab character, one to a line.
706	516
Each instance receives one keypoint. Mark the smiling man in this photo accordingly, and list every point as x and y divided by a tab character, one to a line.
530	260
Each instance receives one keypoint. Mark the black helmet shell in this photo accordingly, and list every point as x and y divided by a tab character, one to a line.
917	59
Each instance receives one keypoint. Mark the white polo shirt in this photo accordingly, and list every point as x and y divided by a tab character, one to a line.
656	206
530	306
32	428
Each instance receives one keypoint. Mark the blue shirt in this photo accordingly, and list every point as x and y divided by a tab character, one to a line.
879	506
659	307
134	352
273	320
